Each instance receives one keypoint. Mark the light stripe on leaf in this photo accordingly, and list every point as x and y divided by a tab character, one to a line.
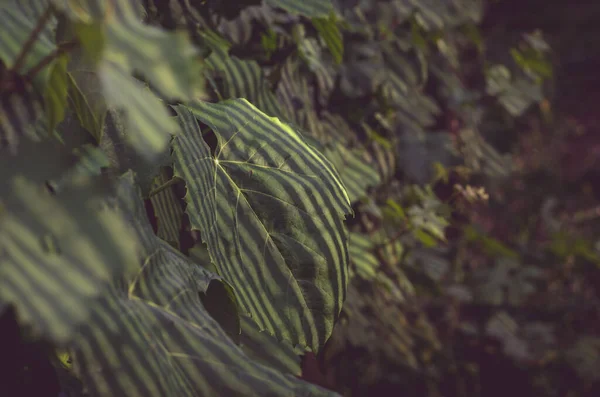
270	208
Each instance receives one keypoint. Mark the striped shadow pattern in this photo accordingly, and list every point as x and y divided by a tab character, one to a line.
21	115
271	210
167	209
23	101
265	349
348	156
335	138
320	63
296	99
151	336
241	79
356	173
240	29
58	252
364	263
19	18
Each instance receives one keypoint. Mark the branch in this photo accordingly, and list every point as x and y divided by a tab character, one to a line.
32	37
65	47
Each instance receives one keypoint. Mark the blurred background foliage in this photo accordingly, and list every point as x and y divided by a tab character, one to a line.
493	290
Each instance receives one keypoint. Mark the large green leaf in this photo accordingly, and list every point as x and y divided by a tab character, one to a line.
271	209
57	252
151	336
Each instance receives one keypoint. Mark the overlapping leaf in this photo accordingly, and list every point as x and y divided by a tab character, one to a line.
122	46
124	157
241	79
151	336
320	62
167	209
57	252
365	263
264	348
357	173
270	209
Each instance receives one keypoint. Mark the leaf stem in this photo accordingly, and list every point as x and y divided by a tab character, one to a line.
164	186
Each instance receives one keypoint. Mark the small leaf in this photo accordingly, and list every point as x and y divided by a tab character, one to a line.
55	94
331	35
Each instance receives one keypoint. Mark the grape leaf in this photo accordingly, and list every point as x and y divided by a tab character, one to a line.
271	209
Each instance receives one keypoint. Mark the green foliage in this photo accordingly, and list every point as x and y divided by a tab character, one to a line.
58	252
80	260
168	342
195	194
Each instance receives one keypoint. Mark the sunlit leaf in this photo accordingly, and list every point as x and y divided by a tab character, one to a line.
270	208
